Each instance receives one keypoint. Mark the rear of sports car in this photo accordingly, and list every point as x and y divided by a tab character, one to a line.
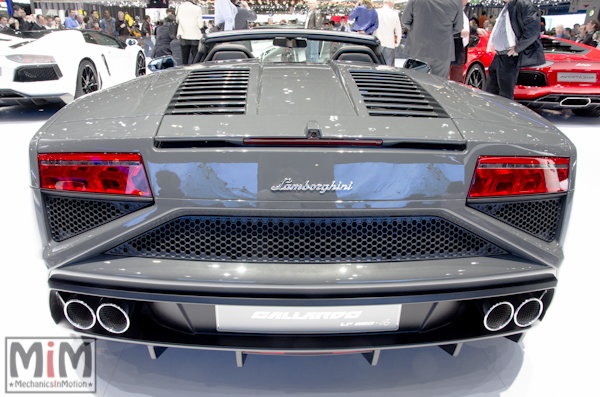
31	71
301	208
570	79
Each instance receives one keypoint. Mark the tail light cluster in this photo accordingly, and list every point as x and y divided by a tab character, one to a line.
111	173
507	176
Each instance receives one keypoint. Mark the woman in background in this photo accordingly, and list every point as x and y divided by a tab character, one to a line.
365	17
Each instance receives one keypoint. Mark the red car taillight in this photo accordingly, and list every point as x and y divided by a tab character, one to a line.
114	173
503	176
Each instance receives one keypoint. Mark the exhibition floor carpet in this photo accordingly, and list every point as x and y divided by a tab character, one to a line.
558	358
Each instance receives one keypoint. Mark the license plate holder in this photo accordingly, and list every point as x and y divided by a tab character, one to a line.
307	319
576	77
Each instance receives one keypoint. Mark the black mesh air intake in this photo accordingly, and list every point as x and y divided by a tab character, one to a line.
68	217
394	94
532	78
537	217
212	91
297	240
37	73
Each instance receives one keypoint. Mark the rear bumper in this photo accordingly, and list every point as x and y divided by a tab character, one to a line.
559	97
188	318
15	98
556	101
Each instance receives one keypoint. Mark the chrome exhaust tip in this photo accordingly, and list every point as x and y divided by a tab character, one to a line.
79	314
113	318
498	316
529	312
575	102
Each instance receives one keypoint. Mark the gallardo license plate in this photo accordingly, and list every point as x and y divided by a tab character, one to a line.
307	319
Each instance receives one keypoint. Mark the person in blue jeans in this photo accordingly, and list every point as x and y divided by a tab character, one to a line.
313	21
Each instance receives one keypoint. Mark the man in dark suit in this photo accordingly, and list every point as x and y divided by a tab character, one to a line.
517	42
313	21
244	14
39	23
166	44
431	26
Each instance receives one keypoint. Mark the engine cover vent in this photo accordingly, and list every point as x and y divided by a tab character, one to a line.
539	218
307	240
394	94
212	91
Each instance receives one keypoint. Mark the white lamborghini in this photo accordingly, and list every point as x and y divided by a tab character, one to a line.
58	65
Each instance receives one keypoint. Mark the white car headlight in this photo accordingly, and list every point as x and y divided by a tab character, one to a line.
21	58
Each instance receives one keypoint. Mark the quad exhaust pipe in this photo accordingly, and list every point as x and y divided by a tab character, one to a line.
528	312
79	314
111	316
499	315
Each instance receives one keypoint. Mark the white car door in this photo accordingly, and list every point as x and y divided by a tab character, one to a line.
115	56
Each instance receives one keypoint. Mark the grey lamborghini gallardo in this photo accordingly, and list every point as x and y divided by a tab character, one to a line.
270	205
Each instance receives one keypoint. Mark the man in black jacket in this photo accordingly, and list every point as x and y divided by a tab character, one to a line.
244	14
516	39
592	28
165	43
23	22
147	36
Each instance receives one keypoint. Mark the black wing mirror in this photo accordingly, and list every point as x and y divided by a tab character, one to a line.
473	41
162	63
417	65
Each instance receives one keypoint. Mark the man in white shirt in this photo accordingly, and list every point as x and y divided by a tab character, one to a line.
389	28
516	39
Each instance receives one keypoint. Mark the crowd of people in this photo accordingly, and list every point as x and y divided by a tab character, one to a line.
588	34
437	31
20	21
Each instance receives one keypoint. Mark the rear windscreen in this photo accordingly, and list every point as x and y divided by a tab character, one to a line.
292	49
559	46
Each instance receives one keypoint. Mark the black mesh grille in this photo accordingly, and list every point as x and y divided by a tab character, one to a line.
539	217
213	91
395	94
532	78
36	73
253	239
68	217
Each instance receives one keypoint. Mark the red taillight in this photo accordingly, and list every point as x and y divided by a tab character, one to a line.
114	173
503	176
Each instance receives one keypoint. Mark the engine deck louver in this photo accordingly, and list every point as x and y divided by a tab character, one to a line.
395	94
221	91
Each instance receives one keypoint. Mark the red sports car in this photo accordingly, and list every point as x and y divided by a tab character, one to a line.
570	78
